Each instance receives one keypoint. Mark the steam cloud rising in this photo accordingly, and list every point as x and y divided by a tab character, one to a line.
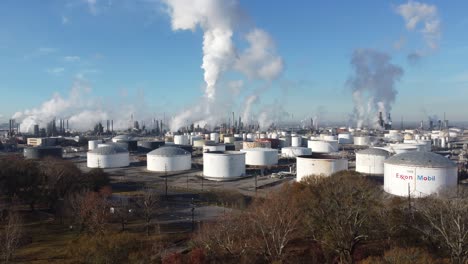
372	85
218	20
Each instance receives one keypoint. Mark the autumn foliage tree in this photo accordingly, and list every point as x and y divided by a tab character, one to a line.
340	211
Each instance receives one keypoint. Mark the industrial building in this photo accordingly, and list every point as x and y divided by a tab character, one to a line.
41	152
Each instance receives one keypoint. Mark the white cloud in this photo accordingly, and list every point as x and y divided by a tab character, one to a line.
55	71
423	18
92	5
65	20
259	60
71	58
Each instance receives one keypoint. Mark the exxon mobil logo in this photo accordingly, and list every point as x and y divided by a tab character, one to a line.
418	177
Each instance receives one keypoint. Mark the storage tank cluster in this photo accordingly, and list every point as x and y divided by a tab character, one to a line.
111	156
169	159
224	165
371	161
319	164
418	174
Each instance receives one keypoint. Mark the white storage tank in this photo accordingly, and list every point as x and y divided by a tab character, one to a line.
214	147
112	156
214	137
371	161
319	164
292	152
223	165
120	144
93	144
424	173
323	146
362	140
169	159
261	156
181	140
402	148
296	141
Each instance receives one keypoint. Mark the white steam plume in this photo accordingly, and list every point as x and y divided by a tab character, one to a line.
372	85
218	20
76	108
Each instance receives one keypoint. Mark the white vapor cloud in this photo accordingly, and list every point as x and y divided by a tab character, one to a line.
423	18
71	58
65	20
55	71
259	60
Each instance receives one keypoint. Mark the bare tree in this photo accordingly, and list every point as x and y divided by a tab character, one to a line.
10	236
148	204
276	221
340	211
230	236
91	211
122	211
445	221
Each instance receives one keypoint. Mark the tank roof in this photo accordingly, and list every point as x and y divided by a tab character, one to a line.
374	151
420	159
169	151
109	150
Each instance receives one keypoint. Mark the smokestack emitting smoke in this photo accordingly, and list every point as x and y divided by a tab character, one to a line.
372	85
218	19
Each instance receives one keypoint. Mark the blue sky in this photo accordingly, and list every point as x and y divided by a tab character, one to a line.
127	52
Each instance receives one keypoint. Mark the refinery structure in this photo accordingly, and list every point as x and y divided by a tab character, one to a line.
416	162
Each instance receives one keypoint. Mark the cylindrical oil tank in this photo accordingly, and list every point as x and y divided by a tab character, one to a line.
345	138
41	152
250	136
261	156
214	147
112	156
223	165
256	144
319	164
92	144
296	141
169	159
214	137
418	174
292	152
181	140
285	141
362	140
371	161
322	146
147	146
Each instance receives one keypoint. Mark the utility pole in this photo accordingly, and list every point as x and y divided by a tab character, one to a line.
193	216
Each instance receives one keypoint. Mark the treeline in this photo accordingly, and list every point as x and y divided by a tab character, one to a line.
45	182
345	218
